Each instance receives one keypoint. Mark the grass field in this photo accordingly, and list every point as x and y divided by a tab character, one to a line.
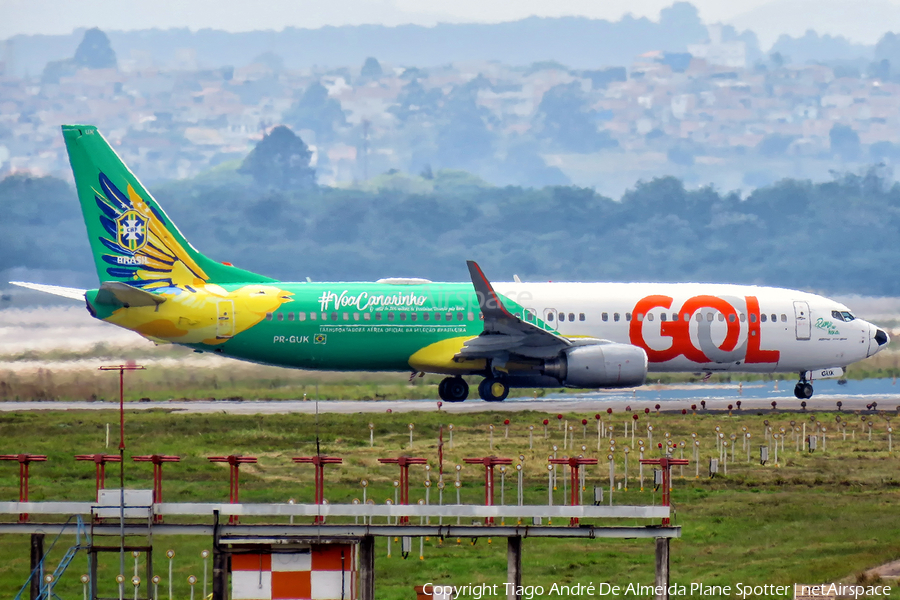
814	517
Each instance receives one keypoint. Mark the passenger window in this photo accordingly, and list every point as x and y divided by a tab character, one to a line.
378	316
699	317
449	316
530	314
572	317
663	317
390	316
412	317
752	318
603	317
783	318
721	317
549	316
402	316
627	316
313	316
470	316
649	316
356	316
731	318
674	316
334	316
762	317
367	316
290	316
268	316
459	316
710	317
639	316
743	317
615	316
281	316
345	316
301	316
686	317
581	317
324	316
425	316
774	318
437	316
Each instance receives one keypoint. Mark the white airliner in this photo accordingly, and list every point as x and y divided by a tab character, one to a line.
705	328
580	335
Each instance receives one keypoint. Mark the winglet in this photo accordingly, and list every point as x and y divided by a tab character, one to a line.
488	300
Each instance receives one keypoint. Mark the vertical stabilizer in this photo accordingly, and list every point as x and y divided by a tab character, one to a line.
131	237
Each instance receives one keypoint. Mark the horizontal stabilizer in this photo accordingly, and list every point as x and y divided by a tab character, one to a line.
117	292
65	292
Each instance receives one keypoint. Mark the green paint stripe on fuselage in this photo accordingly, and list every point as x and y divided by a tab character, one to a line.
361	326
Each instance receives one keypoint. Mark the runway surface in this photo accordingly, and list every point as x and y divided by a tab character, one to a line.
884	394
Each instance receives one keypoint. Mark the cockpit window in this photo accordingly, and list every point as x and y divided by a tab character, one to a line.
842	315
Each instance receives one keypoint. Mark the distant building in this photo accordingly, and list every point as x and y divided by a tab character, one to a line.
719	53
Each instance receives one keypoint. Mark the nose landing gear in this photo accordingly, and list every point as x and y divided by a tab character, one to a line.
804	389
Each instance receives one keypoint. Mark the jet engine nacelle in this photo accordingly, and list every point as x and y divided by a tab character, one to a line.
599	366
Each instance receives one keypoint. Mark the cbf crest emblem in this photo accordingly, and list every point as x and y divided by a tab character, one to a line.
132	230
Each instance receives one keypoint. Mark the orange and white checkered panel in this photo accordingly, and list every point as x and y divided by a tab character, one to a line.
251	577
325	572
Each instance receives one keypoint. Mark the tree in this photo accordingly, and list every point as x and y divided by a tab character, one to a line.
888	48
95	51
844	141
564	119
775	144
280	160
371	69
316	111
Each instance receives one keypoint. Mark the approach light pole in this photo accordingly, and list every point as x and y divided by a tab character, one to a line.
129	366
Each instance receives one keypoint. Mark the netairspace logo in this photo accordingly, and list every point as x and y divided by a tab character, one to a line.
739	590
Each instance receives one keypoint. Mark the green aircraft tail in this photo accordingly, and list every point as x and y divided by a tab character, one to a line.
132	239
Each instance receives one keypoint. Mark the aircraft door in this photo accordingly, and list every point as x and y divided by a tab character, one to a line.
801	318
225	319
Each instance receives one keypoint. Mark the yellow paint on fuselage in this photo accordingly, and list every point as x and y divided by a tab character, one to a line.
193	317
438	358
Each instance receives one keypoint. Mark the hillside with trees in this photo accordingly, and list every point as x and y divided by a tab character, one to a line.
838	236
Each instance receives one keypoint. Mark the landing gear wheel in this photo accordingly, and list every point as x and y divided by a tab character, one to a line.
492	389
453	389
803	390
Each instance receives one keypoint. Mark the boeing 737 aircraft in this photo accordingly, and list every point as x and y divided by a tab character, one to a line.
581	335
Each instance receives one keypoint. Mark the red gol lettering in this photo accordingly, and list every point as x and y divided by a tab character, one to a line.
679	330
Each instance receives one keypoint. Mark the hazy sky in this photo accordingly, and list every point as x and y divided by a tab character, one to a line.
861	20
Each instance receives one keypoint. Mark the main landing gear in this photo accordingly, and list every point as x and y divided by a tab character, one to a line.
455	389
804	389
492	389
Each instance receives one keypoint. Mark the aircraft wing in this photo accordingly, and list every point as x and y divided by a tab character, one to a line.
65	292
505	334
